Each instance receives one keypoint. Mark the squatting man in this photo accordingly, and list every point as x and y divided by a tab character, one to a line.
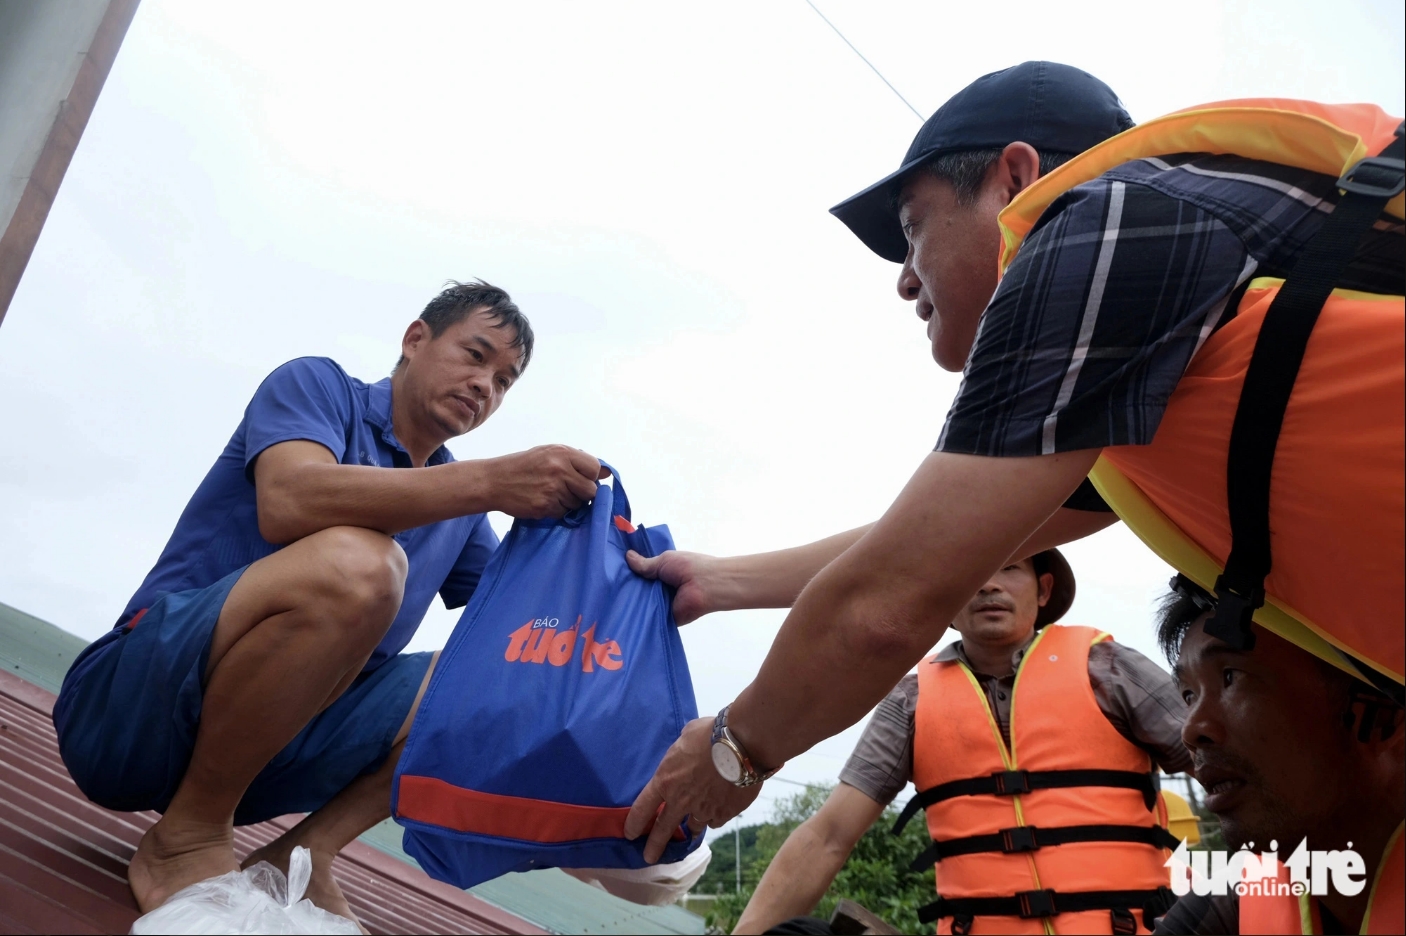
258	669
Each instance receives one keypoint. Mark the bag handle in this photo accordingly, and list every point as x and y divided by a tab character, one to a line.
618	497
619	500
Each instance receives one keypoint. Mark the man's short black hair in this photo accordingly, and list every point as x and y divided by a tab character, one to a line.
1184	605
1176	612
459	300
965	170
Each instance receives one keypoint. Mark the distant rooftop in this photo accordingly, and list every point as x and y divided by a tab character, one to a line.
63	859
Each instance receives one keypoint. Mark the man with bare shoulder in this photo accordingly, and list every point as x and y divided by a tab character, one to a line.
258	669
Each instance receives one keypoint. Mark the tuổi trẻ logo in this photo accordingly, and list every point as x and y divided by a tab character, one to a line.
1249	873
541	640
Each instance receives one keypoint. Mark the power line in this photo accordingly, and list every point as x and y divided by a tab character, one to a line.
864	60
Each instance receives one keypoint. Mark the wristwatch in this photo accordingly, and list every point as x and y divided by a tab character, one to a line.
731	760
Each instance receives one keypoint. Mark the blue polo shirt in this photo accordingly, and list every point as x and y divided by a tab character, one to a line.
314	399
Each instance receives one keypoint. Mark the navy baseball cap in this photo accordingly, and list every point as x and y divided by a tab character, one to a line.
1053	107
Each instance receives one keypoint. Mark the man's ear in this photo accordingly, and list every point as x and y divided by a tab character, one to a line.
416	335
1391	728
1015	171
1386	749
1046	587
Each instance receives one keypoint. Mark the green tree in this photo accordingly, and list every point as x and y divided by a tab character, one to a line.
721	876
877	874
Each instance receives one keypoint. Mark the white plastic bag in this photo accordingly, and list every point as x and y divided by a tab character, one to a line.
654	885
253	901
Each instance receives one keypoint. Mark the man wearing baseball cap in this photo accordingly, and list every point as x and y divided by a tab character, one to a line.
999	627
1077	348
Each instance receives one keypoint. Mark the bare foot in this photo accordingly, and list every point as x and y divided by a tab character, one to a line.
322	886
174	855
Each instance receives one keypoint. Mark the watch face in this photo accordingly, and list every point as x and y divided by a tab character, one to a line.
725	759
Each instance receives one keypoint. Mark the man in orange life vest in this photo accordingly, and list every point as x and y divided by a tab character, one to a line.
1114	709
1288	748
1133	291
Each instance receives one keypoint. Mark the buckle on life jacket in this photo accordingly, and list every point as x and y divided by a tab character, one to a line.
1235	610
1040	903
1192	592
1124	923
1018	839
1011	782
1376	176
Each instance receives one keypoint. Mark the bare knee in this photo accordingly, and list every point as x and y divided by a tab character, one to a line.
360	570
343	583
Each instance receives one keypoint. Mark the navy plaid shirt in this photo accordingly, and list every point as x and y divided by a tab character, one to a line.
1120	283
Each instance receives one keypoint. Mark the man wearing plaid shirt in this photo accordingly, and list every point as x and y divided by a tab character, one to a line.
1078	347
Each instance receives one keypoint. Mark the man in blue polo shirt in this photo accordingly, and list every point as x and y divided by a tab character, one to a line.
257	671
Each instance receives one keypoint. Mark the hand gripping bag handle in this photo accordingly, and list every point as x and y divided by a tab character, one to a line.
619	500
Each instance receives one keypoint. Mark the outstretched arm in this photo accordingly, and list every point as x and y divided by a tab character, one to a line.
864	621
302	489
1065	526
808	861
704	584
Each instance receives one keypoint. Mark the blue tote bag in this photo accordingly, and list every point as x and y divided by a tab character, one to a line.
558	693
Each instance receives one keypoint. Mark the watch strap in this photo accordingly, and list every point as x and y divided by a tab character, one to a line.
751	775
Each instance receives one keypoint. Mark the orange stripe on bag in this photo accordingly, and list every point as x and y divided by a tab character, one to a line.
425	799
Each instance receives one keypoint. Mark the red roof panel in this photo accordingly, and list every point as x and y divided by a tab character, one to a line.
63	860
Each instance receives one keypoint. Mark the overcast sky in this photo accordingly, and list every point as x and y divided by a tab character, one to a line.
650	181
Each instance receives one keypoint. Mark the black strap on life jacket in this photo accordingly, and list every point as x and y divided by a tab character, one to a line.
1013	782
1046	903
1269	380
1029	838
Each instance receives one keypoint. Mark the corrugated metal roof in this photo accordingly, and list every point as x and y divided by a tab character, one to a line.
63	860
35	650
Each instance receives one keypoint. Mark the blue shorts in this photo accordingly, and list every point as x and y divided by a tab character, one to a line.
130	706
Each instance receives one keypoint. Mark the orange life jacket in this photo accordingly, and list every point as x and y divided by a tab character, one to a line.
1276	914
1336	514
1031	838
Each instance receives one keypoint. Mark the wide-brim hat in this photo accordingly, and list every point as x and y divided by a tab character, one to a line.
1062	593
